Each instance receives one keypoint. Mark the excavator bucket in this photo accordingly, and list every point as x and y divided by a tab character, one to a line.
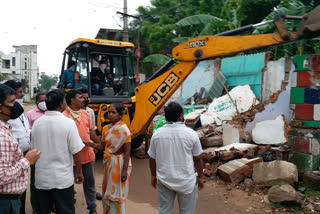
310	26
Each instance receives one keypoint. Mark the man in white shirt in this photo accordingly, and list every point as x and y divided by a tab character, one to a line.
57	137
20	129
174	151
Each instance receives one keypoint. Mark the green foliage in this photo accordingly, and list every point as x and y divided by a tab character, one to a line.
47	82
312	192
156	59
2	77
198	19
293	8
181	39
292	205
167	23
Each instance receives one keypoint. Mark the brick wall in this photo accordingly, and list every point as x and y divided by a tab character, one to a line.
304	136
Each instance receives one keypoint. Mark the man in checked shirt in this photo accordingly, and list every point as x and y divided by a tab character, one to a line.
13	166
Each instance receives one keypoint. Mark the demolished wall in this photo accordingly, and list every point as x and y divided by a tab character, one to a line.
305	102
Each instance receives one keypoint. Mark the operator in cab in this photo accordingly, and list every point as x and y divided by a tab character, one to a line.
70	77
100	77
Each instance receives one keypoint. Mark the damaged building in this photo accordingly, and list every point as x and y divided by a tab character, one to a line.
257	119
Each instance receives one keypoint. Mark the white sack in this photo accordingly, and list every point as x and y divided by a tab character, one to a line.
222	108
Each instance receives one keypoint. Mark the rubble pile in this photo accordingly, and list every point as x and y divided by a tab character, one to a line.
254	159
245	117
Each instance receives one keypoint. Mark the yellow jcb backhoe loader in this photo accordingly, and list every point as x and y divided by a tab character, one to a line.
142	102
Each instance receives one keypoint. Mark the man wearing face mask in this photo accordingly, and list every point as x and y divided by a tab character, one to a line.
14	166
20	128
32	116
81	118
92	116
38	111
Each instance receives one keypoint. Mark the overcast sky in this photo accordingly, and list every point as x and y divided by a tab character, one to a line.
52	25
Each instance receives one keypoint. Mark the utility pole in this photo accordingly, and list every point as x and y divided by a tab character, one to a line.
125	23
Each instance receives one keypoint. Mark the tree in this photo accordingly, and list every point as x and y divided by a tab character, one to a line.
47	82
160	30
294	8
1	76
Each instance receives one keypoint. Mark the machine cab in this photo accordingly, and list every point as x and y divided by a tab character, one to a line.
104	67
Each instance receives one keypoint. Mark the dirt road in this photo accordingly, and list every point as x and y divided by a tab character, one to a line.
214	198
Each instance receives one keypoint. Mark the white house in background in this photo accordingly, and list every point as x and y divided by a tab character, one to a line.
22	65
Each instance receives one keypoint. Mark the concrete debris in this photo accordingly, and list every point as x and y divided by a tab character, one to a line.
219	129
237	146
230	134
212	141
208	155
270	173
193	117
248	182
248	116
236	170
283	193
245	137
312	180
270	132
236	150
209	137
207	170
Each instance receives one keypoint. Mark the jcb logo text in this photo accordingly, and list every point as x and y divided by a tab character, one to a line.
163	89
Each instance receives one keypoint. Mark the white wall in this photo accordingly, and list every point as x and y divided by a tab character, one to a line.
281	106
273	77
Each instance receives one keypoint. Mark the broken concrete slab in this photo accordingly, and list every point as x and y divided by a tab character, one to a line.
274	172
238	146
212	141
200	133
270	132
208	155
283	193
193	117
236	170
230	134
235	151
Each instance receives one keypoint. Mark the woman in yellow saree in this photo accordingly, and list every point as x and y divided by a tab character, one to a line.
116	139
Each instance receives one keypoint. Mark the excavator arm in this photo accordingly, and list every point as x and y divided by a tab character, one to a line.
153	94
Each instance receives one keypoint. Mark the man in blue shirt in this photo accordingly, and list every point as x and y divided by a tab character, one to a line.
70	78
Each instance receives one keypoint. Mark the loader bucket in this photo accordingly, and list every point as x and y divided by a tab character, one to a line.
311	26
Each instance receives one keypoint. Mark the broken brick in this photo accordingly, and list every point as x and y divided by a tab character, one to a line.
212	141
237	170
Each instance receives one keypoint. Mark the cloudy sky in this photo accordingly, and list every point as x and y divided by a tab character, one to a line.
52	25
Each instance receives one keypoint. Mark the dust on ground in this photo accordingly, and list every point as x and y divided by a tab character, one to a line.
216	197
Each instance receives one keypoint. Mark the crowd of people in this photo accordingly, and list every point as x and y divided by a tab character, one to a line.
57	140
